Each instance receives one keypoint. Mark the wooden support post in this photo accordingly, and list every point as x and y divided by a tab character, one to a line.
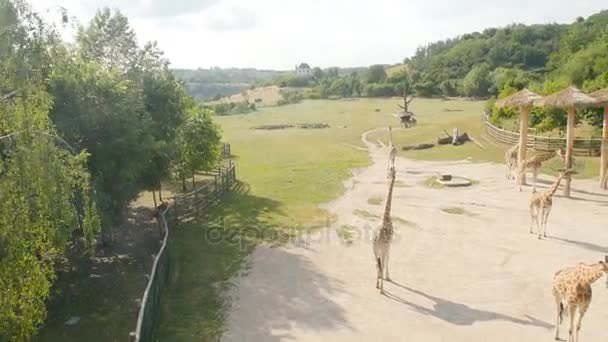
523	139
604	151
154	198
569	146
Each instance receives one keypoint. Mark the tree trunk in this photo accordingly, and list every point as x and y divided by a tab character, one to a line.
160	191
569	146
193	181
184	188
523	139
154	198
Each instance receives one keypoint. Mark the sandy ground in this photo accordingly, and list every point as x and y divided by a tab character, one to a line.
474	277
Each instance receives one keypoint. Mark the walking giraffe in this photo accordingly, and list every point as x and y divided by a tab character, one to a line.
383	235
533	164
541	203
572	286
392	150
511	160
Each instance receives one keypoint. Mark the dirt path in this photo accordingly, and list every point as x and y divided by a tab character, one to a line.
478	276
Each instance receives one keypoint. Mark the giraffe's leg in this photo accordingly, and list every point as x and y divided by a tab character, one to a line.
378	271
540	213
534	177
533	216
581	313
387	255
558	319
545	219
571	313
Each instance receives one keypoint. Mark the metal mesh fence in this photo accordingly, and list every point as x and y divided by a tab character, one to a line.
183	208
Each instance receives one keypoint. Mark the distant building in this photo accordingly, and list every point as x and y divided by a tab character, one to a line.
303	70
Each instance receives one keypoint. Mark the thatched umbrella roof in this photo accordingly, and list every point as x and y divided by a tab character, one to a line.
523	98
568	98
601	95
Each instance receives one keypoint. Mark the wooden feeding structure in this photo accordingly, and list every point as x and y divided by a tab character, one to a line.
407	119
601	96
570	99
524	100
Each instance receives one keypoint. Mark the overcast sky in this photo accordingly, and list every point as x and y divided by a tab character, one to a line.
277	34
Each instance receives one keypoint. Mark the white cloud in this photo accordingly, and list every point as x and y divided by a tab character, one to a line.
280	33
223	18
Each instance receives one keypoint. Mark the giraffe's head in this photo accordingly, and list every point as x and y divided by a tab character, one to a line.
391	173
605	264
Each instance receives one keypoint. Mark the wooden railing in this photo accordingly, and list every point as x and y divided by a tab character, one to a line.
582	147
182	209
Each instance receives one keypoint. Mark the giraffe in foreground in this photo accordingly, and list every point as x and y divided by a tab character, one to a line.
511	157
572	286
392	150
541	203
383	235
533	164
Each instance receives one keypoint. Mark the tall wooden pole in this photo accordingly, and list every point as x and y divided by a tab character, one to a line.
523	138
569	146
604	159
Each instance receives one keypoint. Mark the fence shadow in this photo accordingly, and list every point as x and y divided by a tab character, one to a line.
459	313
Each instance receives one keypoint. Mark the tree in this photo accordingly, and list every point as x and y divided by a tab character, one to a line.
198	145
167	103
317	75
109	40
46	193
375	74
477	82
339	87
101	112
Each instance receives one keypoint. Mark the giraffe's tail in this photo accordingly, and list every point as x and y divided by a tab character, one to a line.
379	265
562	311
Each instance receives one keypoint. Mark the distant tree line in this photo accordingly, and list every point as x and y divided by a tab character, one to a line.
125	124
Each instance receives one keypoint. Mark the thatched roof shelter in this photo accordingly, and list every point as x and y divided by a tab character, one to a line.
568	98
601	96
523	98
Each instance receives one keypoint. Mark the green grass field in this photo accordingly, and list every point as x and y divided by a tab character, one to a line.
286	175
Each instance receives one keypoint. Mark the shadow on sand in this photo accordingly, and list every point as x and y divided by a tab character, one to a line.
458	313
293	295
584	245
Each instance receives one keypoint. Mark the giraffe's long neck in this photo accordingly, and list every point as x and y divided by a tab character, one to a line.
389	199
555	185
544	157
592	273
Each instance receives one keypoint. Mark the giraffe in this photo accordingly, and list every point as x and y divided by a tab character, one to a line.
533	164
392	150
511	160
572	286
383	235
541	203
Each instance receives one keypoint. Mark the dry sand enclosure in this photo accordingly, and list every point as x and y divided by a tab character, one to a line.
463	264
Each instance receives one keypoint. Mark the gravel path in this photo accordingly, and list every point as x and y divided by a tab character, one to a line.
474	276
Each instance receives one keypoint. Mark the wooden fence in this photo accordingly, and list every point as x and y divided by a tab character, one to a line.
582	147
183	208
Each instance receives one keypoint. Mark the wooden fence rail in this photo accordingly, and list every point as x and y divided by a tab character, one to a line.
582	147
183	208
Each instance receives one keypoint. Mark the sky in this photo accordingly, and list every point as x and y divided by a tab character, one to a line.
277	34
